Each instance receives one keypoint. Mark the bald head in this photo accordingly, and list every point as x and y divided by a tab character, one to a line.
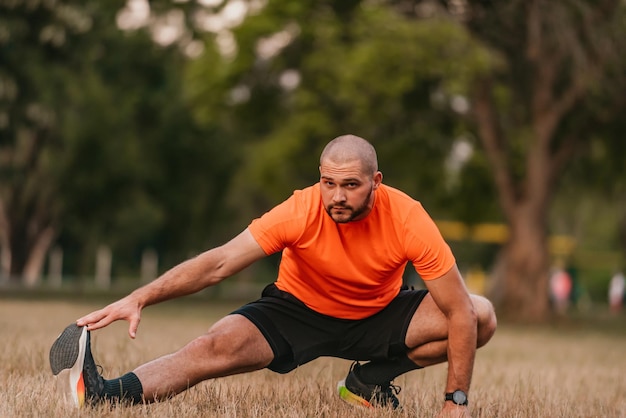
349	148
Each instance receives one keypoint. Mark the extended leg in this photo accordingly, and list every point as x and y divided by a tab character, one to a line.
233	345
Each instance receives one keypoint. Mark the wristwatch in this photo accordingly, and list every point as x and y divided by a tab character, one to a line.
458	397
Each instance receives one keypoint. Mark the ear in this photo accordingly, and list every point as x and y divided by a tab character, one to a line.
378	179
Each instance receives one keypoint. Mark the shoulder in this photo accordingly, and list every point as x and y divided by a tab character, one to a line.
395	194
397	203
307	196
409	215
283	224
297	205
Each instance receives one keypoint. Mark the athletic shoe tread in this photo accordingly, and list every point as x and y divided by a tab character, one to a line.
64	352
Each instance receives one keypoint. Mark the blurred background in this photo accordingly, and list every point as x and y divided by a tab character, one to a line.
135	134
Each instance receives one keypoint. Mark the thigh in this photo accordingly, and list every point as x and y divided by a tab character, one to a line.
430	324
239	343
298	335
383	335
295	333
427	324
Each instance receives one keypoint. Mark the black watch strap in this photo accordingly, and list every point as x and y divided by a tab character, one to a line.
458	397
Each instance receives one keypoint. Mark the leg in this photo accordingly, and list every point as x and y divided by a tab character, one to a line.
427	339
233	345
427	335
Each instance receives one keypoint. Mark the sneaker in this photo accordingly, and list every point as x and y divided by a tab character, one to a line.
71	360
355	392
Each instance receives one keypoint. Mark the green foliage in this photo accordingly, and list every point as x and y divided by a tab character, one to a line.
39	48
365	70
107	137
148	175
117	160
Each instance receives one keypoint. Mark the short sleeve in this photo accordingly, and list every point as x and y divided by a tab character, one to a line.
428	251
281	226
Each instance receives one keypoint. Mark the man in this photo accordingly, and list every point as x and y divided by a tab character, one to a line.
345	242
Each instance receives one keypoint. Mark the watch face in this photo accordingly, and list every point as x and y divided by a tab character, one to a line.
459	397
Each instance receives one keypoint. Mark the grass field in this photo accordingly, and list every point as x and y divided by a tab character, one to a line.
569	369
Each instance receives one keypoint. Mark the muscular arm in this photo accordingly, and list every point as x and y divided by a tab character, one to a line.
451	296
193	275
204	270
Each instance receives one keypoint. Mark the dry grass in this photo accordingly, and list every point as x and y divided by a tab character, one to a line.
557	371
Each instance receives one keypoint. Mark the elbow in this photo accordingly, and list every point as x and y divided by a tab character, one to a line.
472	316
466	314
470	311
220	272
217	278
225	268
209	267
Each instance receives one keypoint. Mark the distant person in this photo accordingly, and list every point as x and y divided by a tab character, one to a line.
345	242
560	289
617	285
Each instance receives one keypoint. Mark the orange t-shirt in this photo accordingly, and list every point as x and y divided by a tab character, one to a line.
351	270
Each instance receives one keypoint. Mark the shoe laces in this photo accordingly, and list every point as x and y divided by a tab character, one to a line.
393	388
354	365
387	389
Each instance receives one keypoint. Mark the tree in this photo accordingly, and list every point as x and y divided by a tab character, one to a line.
98	146
362	68
306	72
599	175
34	53
535	114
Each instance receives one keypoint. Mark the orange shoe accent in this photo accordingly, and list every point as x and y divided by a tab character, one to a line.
80	390
351	398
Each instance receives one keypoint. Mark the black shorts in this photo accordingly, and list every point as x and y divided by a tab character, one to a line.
297	334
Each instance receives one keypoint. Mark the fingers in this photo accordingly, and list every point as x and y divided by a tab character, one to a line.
134	324
95	320
120	310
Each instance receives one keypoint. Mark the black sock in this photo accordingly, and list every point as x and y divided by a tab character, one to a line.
382	371
125	388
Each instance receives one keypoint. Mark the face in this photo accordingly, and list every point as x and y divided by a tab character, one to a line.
347	193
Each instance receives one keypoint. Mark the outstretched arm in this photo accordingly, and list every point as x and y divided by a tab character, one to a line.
452	298
193	275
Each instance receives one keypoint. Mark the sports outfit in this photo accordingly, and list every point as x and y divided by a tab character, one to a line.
338	291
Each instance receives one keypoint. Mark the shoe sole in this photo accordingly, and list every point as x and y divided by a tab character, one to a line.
351	398
68	353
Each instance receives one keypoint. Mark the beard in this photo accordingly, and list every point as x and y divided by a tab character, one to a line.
350	212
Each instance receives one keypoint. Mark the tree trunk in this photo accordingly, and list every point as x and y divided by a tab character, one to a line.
621	232
32	272
5	245
555	54
29	242
522	273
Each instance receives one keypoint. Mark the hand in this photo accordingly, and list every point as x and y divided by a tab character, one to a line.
126	308
452	410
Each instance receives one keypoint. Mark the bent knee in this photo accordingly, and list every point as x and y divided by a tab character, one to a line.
238	342
487	321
